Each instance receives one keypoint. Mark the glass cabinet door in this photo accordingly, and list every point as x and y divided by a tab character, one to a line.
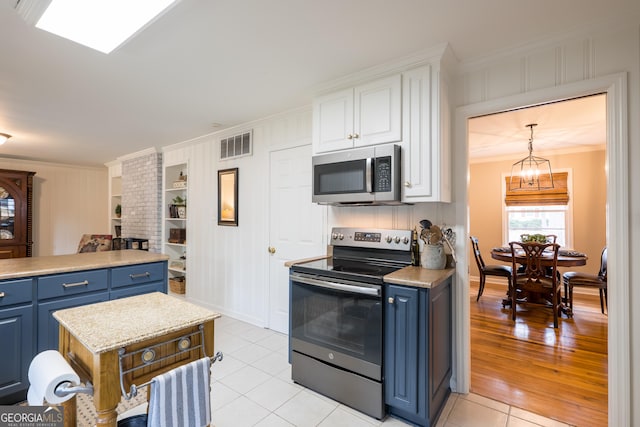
7	215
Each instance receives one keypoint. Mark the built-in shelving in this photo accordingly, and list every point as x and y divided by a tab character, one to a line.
174	224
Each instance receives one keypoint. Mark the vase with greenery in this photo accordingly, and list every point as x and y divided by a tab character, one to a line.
118	210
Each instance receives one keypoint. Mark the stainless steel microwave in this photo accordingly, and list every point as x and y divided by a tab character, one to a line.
358	177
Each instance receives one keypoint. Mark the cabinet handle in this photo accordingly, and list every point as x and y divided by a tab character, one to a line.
1	294
407	184
140	276
272	250
73	285
355	135
391	300
349	136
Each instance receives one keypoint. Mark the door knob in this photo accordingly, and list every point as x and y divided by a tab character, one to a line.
391	300
355	135
272	250
350	136
407	184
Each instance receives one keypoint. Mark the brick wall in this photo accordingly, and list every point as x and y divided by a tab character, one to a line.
142	199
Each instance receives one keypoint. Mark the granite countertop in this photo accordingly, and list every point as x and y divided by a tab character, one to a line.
110	325
419	277
38	266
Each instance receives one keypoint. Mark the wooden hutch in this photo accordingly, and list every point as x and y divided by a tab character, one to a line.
16	210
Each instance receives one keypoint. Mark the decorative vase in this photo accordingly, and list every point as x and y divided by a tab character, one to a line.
434	257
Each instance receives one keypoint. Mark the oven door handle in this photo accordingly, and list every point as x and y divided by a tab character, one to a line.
336	286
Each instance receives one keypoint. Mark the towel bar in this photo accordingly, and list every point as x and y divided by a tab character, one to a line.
148	358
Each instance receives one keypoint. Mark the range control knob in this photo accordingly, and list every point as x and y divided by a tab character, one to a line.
397	239
405	240
334	236
388	239
341	236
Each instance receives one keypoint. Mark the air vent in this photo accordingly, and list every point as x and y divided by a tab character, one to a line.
236	146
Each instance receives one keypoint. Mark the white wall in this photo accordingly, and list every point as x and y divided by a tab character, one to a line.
227	267
68	202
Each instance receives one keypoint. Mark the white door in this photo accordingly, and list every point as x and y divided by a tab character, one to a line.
296	228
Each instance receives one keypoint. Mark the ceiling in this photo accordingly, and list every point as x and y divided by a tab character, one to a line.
210	64
562	127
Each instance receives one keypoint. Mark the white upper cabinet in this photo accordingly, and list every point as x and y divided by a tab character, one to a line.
425	157
367	114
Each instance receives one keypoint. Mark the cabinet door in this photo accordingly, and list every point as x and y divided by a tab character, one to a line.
401	348
418	144
333	121
48	326
378	112
16	330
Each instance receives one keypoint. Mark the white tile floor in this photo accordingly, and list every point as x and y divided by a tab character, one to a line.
252	387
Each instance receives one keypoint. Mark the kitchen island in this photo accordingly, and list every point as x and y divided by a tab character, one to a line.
32	289
125	342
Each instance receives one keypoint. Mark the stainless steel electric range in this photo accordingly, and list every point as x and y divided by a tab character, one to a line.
336	316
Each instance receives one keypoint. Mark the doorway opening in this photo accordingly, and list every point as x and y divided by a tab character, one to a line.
518	363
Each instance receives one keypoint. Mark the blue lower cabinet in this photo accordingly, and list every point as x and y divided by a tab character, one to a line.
417	351
48	326
16	330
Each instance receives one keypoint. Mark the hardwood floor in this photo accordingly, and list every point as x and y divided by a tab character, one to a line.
558	373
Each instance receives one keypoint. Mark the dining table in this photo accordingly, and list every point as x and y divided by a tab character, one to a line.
566	258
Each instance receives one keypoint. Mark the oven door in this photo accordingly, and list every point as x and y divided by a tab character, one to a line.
338	322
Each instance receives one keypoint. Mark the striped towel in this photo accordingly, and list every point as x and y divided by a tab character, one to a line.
181	397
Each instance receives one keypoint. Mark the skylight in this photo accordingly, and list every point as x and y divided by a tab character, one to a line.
102	25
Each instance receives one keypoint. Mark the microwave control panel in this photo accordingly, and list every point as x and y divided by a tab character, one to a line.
382	175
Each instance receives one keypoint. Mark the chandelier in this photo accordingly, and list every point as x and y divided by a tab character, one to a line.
532	172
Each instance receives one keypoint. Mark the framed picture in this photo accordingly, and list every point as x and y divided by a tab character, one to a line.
228	197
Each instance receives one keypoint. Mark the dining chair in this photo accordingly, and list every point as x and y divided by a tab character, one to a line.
488	270
599	281
538	280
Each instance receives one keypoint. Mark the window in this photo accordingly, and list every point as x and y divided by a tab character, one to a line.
537	220
539	212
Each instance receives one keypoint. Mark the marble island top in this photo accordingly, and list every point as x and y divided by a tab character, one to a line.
110	325
38	266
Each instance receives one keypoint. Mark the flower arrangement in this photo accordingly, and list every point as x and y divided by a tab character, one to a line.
536	238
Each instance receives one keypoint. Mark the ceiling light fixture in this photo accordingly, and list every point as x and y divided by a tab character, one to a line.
531	173
4	137
102	25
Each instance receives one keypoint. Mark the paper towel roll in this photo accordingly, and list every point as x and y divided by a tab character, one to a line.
47	370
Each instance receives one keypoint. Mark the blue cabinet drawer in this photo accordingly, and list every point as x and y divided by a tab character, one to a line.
60	285
138	274
15	292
